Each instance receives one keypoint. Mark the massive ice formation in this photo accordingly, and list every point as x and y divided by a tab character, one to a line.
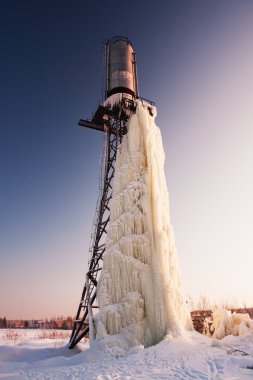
139	290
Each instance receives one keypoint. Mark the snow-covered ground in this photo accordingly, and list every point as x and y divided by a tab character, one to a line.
31	355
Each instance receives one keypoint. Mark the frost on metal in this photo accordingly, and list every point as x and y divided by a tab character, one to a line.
139	292
113	100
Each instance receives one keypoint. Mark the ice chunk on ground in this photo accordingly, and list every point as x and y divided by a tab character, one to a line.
227	323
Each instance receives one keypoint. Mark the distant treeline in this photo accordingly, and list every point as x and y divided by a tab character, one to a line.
52	323
3	323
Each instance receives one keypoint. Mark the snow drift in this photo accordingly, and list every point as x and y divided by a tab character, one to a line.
193	356
139	292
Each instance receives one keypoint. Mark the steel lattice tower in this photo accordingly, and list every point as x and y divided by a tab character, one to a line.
111	118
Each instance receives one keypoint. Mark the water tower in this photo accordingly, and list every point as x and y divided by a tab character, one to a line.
120	92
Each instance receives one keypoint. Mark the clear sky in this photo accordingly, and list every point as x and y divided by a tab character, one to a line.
195	60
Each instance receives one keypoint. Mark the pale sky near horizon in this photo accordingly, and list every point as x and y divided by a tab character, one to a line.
195	60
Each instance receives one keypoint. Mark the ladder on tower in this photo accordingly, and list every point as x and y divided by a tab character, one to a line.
114	126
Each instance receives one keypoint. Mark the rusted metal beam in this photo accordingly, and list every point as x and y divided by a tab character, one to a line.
91	124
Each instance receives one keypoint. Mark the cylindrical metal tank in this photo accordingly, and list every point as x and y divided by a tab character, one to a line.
121	73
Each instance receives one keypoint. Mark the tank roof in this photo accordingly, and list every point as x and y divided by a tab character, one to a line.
119	38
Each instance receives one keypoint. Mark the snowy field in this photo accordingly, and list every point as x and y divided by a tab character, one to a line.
31	354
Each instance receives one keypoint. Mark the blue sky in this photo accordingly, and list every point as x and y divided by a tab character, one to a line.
195	61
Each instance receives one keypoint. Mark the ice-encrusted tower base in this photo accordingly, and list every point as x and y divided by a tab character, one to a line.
140	291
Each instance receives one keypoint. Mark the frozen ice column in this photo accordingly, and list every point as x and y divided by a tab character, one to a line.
140	291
